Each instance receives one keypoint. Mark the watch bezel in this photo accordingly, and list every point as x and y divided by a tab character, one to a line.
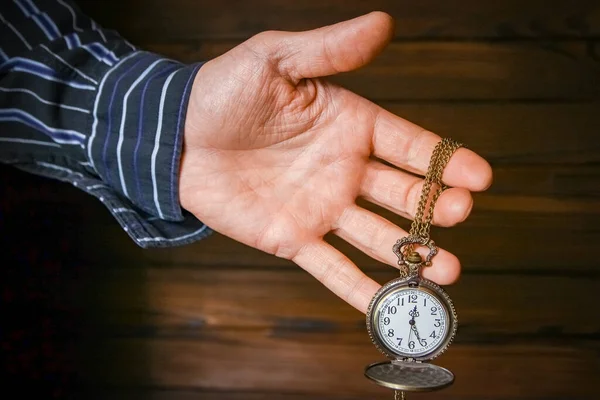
413	283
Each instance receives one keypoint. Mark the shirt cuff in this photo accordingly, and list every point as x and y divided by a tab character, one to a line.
137	131
147	231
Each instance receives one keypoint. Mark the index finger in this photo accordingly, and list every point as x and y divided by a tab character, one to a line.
409	146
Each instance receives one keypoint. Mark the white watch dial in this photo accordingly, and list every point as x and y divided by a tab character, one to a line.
412	322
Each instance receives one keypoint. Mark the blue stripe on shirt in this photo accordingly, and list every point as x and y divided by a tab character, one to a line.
46	25
168	69
110	118
123	118
96	113
41	19
62	136
65	63
25	7
101	53
70	41
40	70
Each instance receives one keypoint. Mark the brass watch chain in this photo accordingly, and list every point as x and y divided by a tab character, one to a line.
422	223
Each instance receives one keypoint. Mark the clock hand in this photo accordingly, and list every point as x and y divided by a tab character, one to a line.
413	313
414	328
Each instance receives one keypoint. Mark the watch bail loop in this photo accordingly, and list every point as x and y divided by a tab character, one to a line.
413	257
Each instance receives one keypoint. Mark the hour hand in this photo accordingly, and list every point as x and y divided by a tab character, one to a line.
413	313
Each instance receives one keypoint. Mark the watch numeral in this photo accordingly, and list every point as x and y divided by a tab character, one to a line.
425	302
390	333
386	321
412	299
432	335
402	301
433	310
437	323
411	344
399	341
423	342
392	310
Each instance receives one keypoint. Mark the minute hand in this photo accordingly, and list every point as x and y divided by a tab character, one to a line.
414	329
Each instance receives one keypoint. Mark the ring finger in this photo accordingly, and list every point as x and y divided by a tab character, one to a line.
375	236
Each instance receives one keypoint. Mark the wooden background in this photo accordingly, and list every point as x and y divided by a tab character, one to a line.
518	81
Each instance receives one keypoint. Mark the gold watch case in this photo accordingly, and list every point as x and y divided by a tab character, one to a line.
418	283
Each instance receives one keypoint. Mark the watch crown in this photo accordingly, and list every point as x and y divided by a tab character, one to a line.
414	258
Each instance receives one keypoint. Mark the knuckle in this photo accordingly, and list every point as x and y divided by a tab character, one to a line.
415	145
267	43
376	239
328	275
354	291
411	197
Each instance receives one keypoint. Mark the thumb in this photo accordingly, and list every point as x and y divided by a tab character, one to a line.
336	48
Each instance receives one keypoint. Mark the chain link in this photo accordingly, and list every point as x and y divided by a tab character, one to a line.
422	223
433	181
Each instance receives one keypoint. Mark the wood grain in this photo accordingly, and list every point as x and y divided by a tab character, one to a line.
533	243
518	134
500	247
186	303
550	233
519	82
181	394
454	70
191	394
203	19
322	364
224	330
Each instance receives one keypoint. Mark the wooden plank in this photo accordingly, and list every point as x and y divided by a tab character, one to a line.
564	228
480	249
190	303
411	71
202	19
551	243
191	394
258	362
523	134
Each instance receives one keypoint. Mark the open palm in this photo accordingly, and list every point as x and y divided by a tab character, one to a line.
275	157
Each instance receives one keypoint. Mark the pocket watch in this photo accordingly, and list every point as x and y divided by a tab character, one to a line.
412	320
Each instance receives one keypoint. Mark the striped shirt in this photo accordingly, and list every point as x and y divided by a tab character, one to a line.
80	104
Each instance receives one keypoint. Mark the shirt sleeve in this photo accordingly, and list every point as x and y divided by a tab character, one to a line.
80	104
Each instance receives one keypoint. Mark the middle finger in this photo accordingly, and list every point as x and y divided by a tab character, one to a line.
400	192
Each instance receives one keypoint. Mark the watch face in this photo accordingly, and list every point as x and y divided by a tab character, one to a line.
410	321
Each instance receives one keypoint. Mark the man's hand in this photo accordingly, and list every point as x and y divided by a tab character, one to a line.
275	157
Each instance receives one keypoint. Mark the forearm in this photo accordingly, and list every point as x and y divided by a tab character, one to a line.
80	104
